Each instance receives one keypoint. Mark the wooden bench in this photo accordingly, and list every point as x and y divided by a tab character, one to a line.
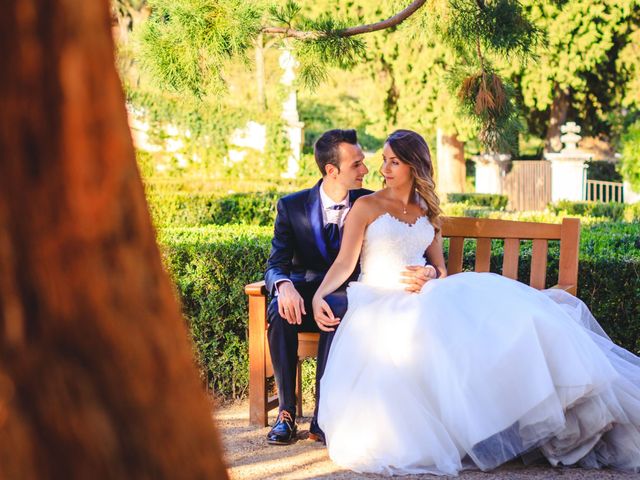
454	228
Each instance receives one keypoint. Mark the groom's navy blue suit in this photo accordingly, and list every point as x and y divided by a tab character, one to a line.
299	253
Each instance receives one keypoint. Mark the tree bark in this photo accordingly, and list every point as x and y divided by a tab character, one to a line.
451	169
97	377
558	117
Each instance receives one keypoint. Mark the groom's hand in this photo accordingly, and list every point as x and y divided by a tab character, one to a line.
415	276
323	315
290	303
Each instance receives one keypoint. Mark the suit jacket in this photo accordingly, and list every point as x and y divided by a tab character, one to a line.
298	249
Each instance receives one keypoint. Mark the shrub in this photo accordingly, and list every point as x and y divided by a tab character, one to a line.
491	200
614	211
632	212
603	170
192	209
211	265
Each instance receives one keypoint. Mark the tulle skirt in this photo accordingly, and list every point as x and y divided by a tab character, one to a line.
474	371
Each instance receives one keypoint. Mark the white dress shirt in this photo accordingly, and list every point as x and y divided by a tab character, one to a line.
328	214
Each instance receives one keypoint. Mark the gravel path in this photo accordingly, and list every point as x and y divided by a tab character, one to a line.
250	458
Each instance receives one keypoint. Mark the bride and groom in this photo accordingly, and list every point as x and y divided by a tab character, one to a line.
466	371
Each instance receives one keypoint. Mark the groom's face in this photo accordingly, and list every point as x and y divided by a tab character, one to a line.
352	167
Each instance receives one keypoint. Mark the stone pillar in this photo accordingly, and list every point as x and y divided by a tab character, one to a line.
568	167
290	115
490	169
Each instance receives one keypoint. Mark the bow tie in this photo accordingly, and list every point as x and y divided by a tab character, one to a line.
335	212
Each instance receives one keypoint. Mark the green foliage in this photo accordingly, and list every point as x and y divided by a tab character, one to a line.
211	265
499	26
614	211
632	213
329	50
492	200
195	209
579	59
186	42
187	53
209	125
345	111
285	14
603	170
630	164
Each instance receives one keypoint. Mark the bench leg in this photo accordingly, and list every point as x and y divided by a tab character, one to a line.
299	389
258	407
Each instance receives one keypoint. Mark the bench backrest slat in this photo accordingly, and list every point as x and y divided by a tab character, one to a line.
510	259
539	263
456	245
568	267
483	254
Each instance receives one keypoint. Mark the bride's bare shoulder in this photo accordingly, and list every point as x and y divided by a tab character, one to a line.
370	206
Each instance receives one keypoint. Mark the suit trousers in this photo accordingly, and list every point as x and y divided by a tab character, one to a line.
283	344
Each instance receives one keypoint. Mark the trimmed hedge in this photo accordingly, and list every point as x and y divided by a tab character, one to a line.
614	211
491	200
210	266
174	209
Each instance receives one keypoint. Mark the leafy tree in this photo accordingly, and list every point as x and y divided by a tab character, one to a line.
585	65
188	41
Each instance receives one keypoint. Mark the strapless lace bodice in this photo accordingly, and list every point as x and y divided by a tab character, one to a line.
389	246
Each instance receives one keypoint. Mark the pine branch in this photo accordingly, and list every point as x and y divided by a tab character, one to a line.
351	31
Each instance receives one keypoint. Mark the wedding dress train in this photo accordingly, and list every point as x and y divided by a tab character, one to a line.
475	369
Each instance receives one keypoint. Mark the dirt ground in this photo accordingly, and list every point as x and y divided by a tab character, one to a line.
250	458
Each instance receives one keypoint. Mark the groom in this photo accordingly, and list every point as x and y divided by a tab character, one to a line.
305	243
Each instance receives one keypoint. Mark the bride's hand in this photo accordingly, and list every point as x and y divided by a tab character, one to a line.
415	276
323	315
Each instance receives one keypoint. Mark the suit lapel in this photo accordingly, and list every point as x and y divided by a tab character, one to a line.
313	208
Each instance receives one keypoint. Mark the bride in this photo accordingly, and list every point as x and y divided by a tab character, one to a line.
472	371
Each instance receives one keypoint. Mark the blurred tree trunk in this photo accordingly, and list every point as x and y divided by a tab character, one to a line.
557	118
97	378
451	169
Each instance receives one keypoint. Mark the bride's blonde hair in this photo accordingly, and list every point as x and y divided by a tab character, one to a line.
413	150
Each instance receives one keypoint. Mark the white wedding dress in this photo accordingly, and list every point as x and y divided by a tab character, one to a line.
473	371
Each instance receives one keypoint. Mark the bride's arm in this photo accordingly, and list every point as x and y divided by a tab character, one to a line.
436	257
344	264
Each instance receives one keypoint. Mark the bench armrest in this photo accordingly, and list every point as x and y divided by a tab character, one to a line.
256	289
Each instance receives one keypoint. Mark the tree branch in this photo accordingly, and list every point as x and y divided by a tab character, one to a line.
351	31
291	33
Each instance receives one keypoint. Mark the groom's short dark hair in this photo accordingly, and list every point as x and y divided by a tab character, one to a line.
326	149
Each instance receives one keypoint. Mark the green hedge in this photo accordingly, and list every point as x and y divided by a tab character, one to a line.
174	209
210	266
614	211
491	200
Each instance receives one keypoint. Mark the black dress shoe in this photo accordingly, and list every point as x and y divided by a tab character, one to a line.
284	431
315	433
